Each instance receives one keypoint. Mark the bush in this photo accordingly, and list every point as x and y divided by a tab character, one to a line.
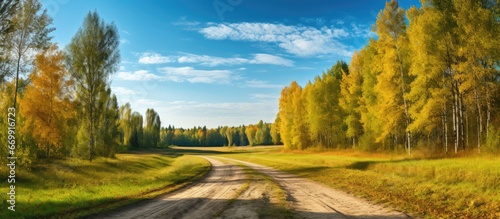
493	141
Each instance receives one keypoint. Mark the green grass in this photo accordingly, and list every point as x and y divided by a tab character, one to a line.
74	188
438	188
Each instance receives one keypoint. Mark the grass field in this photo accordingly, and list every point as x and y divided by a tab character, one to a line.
74	188
437	188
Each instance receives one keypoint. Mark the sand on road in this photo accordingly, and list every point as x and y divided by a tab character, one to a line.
313	200
227	192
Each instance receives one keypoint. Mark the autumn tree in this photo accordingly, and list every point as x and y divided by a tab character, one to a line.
250	133
93	56
323	113
286	117
392	59
351	92
478	65
430	92
275	131
47	100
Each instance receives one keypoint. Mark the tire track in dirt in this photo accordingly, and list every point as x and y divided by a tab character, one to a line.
313	200
202	200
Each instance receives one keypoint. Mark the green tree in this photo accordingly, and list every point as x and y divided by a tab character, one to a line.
152	129
108	130
263	134
93	55
137	131
7	10
125	126
30	33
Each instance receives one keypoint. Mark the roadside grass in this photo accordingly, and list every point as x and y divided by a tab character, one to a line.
74	188
466	187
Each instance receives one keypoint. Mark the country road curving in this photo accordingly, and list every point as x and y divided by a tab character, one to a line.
227	192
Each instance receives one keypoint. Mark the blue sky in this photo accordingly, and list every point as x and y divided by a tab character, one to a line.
221	62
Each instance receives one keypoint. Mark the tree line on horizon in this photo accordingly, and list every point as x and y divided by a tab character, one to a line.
249	135
430	79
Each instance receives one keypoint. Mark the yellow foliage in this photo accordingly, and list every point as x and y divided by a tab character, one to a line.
46	101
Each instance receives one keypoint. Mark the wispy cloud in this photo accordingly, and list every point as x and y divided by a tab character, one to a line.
154	58
261	84
210	60
206	60
140	75
270	59
297	40
362	30
182	21
119	91
193	75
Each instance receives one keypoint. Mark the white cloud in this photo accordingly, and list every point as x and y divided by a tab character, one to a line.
270	59
193	75
182	21
297	40
261	84
124	41
210	60
140	75
123	91
362	30
154	58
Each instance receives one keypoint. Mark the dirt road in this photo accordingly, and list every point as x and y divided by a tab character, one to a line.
227	192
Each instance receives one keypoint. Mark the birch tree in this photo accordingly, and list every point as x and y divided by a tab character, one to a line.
29	35
93	57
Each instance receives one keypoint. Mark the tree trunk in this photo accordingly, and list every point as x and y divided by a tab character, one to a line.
462	124
479	126
488	118
455	122
407	116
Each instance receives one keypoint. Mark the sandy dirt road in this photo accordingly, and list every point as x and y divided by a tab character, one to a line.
313	200
227	192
